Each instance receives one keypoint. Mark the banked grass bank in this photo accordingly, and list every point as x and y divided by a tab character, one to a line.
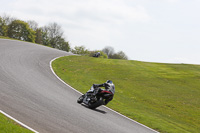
165	97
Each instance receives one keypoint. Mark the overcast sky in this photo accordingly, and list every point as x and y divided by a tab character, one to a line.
146	30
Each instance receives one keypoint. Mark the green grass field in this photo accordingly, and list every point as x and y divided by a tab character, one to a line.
9	126
165	97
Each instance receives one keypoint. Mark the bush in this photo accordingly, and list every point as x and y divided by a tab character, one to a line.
80	50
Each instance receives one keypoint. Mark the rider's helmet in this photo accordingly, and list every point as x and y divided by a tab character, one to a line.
109	85
109	82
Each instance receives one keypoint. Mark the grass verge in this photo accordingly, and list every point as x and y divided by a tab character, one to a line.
3	37
9	126
164	97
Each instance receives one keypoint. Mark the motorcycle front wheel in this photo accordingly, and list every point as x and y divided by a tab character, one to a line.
80	99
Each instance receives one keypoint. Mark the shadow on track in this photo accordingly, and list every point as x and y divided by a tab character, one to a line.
97	110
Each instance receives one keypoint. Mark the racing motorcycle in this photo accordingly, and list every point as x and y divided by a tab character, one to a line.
95	97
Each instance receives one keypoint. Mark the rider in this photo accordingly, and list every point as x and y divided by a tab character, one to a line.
109	88
97	54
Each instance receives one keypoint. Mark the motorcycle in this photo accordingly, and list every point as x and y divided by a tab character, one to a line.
94	98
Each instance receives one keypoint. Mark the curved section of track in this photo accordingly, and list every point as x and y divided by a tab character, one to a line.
31	93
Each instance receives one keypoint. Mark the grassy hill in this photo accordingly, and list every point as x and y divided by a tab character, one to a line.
165	97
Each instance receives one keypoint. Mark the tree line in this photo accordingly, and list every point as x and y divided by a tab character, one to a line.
107	52
49	35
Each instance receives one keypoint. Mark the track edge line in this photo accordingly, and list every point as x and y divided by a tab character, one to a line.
20	123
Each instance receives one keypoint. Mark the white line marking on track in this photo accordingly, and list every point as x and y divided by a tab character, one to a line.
22	124
59	77
104	106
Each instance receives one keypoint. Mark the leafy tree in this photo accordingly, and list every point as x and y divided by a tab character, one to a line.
80	50
119	55
45	37
8	19
109	51
20	30
63	45
112	55
39	37
33	25
52	35
3	27
55	34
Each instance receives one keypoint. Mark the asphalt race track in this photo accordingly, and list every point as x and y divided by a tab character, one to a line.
32	94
